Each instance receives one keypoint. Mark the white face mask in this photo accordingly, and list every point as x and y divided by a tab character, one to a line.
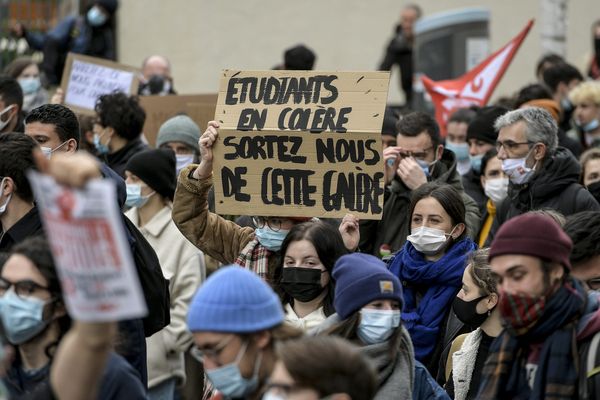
496	189
5	205
377	326
517	170
4	123
428	241
183	160
48	151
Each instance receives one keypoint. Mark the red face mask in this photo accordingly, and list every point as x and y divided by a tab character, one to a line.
521	311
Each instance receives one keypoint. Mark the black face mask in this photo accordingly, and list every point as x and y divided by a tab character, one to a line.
466	311
303	284
594	189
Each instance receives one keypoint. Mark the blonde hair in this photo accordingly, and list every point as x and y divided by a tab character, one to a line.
586	91
480	271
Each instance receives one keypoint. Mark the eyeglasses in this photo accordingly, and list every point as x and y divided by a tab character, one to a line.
273	223
593	283
416	154
212	353
22	289
510	145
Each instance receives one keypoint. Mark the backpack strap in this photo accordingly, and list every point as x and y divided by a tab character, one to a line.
589	378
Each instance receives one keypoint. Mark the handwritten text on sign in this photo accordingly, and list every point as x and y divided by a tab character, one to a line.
314	147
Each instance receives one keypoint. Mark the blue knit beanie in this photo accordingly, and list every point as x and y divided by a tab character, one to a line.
361	279
234	300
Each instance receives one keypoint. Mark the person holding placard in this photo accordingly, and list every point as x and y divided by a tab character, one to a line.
224	240
35	321
118	129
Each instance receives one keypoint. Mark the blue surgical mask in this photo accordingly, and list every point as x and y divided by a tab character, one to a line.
566	104
424	166
96	17
182	161
229	380
377	326
102	149
461	150
590	126
134	196
269	238
22	318
476	162
30	85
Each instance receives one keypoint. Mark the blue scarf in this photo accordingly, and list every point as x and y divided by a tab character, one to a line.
442	278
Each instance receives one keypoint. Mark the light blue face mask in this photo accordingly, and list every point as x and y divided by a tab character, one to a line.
269	238
566	104
229	380
134	196
377	326
461	150
425	166
476	162
96	17
30	85
21	317
590	126
102	149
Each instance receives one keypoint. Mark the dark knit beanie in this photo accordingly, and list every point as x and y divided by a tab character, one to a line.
360	279
533	235
299	58
156	168
109	5
482	127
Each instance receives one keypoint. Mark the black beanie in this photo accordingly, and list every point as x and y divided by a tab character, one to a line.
109	5
482	126
299	58
156	168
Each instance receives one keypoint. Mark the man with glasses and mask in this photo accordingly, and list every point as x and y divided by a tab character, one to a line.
418	158
541	174
11	105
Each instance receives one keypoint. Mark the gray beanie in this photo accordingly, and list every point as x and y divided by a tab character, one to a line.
180	128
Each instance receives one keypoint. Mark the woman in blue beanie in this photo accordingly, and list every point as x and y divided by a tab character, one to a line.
236	319
430	266
368	300
303	277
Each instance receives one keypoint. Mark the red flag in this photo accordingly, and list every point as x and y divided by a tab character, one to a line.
476	86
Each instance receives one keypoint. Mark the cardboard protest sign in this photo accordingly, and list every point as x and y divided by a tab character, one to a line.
199	107
87	78
91	252
300	143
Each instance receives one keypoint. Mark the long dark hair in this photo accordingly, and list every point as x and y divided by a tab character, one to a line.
448	197
329	246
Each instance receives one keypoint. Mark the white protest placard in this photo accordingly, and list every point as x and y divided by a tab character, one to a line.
87	78
91	252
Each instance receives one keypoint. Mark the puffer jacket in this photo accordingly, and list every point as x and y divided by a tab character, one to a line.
394	226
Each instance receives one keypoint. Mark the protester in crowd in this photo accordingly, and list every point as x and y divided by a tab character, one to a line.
118	129
92	34
594	68
388	130
303	277
590	171
27	73
554	109
314	368
35	320
418	158
151	184
475	305
254	248
181	134
481	136
561	78
19	218
156	77
236	320
541	174
543	309
545	62
299	58
586	100
86	126
11	105
368	300
495	186
456	138
55	128
583	230
400	49
431	266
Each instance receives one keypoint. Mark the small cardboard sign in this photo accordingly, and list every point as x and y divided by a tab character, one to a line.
87	78
92	255
199	107
300	143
